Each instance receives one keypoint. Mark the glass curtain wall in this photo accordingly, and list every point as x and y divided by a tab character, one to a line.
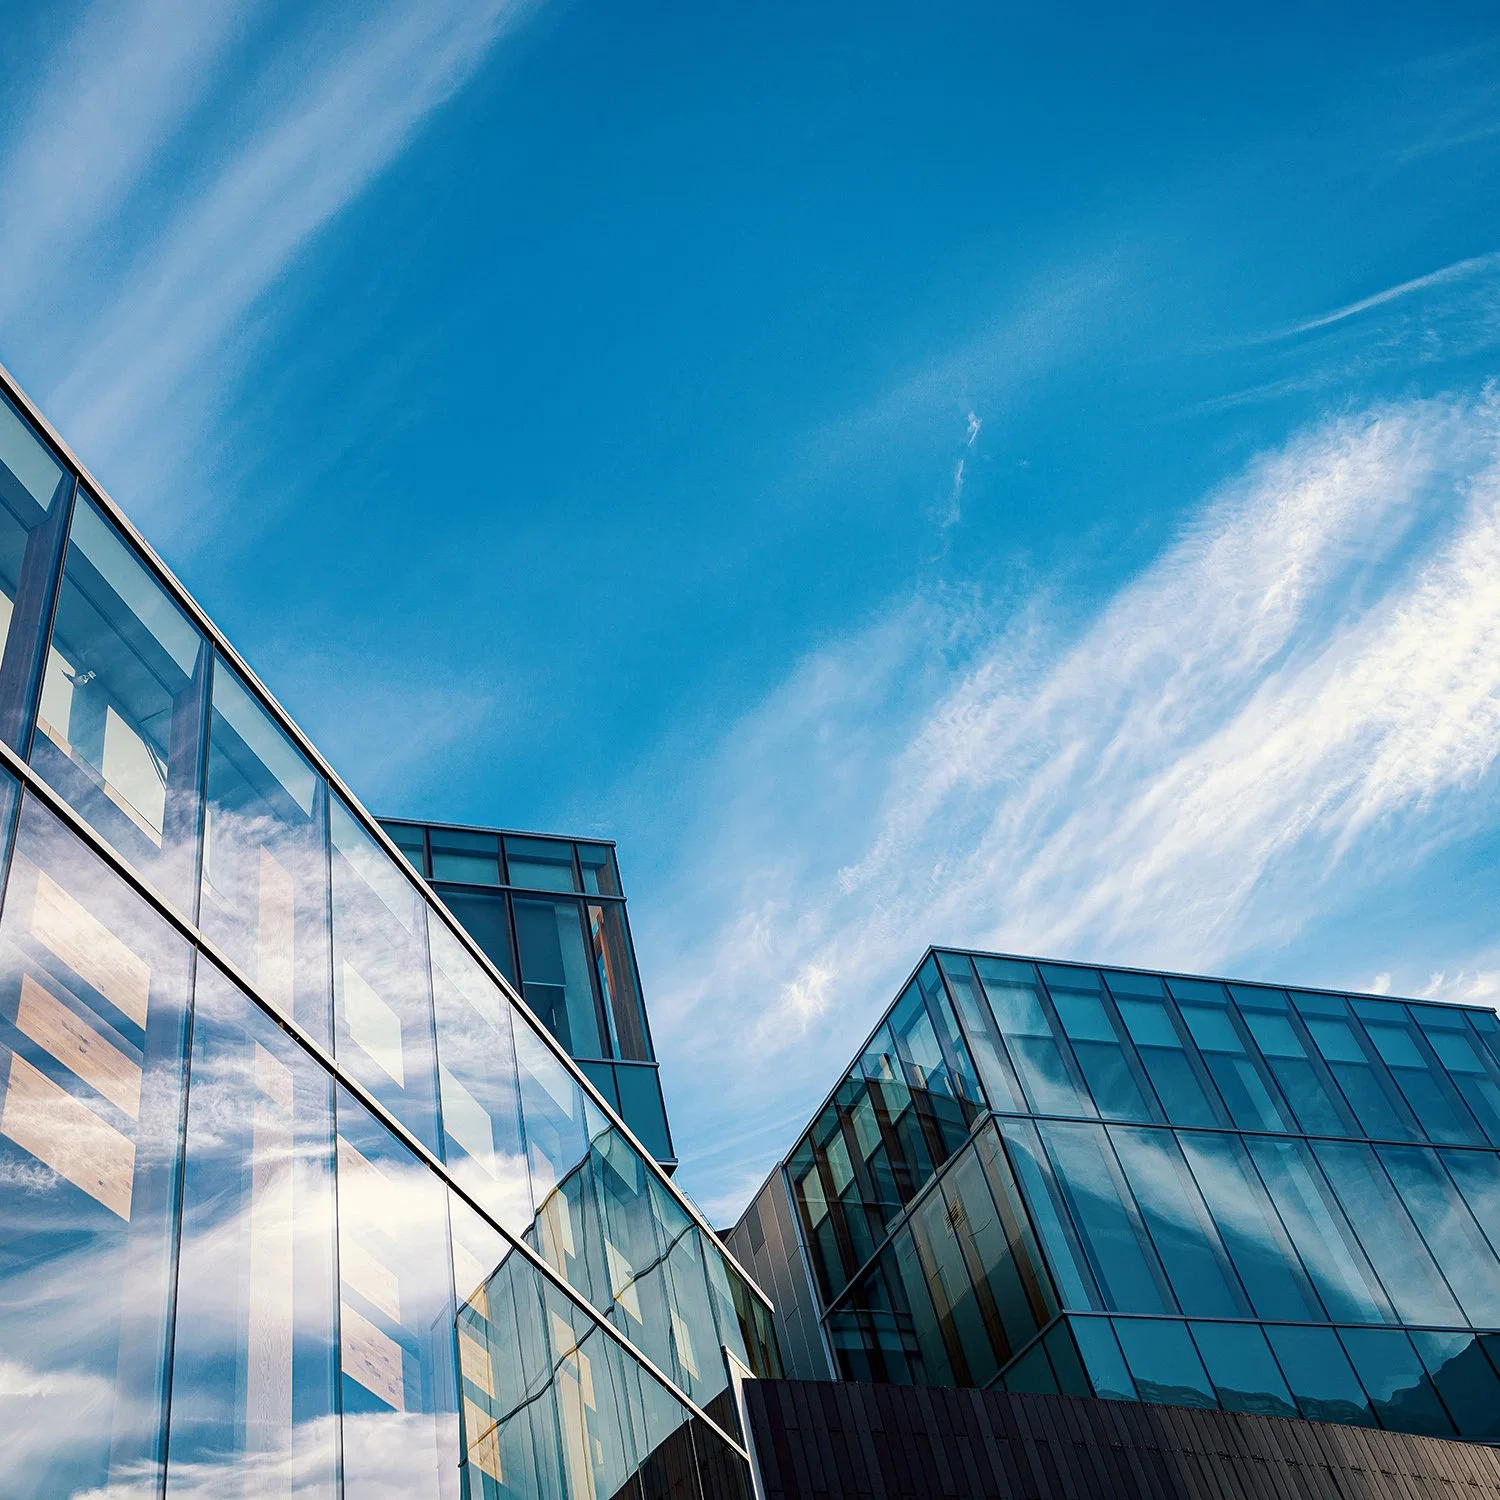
268	1128
1235	1196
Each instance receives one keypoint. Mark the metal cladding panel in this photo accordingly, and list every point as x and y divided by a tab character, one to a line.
765	1243
842	1440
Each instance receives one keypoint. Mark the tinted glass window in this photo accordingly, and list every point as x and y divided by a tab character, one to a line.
1243	1370
264	893
118	730
92	1059
1178	1086
1014	996
540	864
1163	1362
600	877
470	858
1401	1391
555	964
1320	1375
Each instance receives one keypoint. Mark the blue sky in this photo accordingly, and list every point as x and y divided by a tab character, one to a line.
1022	476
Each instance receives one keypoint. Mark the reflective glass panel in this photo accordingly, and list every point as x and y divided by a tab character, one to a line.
1345	1283
93	991
485	917
614	969
477	1081
1167	1062
254	1361
540	864
1163	1362
395	1316
1243	1369
1250	1228
555	964
600	877
264	896
1464	1379
1427	1088
1102	1358
979	1026
1013	992
1047	1211
1240	1081
1269	1018
1107	1068
1477	1174
1122	1261
382	1008
120	723
1414	1284
1460	1249
410	842
1373	1099
1463	1055
1320	1375
1401	1391
34	493
463	856
642	1109
1179	1224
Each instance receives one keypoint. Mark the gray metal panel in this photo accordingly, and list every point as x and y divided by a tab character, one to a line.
780	1269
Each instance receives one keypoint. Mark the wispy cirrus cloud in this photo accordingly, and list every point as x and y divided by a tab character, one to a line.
151	369
1299	699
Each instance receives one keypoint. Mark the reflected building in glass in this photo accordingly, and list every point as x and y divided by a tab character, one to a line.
549	913
1044	1177
297	1195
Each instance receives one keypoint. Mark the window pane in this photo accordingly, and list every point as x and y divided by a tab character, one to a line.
1268	1017
395	1315
1464	1379
1163	1362
540	864
254	1356
1178	1223
1240	1082
34	490
1463	1055
118	727
471	858
1242	1368
1426	1087
483	915
1101	1356
1250	1228
614	968
1371	1098
1048	1213
1331	1255
1014	996
1477	1174
1122	1263
1167	1062
477	1083
642	1109
984	1040
600	878
1412	1281
1106	1067
265	861
1320	1375
92	1060
382	1009
410	842
1400	1390
555	974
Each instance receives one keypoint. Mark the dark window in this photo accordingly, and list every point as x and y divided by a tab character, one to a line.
540	864
472	858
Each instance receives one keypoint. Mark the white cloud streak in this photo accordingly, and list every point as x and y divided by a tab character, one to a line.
1460	270
107	101
1299	698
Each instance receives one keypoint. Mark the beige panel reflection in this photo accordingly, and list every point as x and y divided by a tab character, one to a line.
78	1046
371	1357
90	949
68	1136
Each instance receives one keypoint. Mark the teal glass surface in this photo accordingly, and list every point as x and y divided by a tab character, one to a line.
1164	1362
1401	1392
1320	1376
1242	1368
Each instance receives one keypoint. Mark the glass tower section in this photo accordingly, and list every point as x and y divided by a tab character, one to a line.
1045	1177
297	1195
550	914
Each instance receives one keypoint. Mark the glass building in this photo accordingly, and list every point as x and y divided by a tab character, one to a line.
549	912
1044	1177
297	1196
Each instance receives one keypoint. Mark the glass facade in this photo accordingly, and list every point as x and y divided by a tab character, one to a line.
550	914
296	1195
1154	1187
